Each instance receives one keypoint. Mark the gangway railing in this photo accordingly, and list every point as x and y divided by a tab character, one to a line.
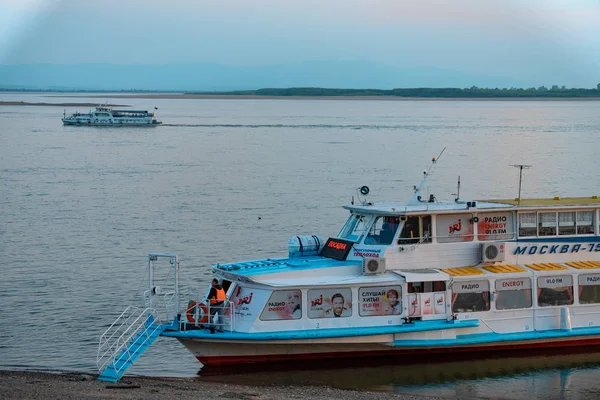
125	340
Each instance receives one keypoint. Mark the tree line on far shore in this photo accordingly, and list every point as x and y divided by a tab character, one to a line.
472	92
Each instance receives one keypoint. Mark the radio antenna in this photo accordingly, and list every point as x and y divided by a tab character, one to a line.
521	168
416	197
457	194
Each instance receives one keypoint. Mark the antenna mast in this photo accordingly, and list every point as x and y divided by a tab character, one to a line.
521	168
457	194
415	199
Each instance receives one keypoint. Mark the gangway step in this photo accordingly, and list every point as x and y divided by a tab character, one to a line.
136	347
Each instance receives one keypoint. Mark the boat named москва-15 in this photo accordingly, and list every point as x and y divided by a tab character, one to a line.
423	276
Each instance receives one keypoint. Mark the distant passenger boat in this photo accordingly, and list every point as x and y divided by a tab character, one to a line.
106	116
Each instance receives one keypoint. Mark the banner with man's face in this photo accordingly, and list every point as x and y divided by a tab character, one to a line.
329	303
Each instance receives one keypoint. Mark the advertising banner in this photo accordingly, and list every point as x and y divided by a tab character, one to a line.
283	304
495	226
454	228
380	300
329	303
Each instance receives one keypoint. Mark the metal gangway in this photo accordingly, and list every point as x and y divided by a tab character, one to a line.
138	327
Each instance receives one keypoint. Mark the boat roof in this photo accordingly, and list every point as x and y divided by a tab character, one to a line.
500	269
403	208
556	201
327	271
400	208
279	265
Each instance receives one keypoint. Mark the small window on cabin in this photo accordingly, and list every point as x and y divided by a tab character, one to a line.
555	290
426	287
513	293
354	228
416	230
589	289
470	296
382	231
547	224
566	223
528	224
454	228
585	222
283	305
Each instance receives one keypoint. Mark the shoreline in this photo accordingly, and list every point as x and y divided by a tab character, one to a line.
183	96
75	386
377	98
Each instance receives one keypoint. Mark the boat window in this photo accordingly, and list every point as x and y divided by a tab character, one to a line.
354	228
585	222
454	228
426	287
283	305
513	293
527	224
589	289
555	290
416	229
547	224
382	231
495	226
380	300
566	223
470	296
329	303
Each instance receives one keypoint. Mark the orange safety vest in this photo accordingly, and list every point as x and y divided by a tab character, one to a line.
221	297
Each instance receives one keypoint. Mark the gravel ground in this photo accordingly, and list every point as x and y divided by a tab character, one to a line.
42	385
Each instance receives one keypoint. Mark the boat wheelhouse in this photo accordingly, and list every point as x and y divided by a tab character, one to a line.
415	277
105	116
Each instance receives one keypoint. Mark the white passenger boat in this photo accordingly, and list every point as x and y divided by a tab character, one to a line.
407	278
106	116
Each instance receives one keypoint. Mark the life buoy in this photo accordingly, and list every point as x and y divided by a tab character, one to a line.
197	313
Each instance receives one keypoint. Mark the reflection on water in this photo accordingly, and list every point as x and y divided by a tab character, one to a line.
558	376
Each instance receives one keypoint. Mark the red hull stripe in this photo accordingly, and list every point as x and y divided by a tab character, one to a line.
431	351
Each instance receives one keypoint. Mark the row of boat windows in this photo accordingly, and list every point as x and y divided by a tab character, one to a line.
467	296
384	230
510	294
556	223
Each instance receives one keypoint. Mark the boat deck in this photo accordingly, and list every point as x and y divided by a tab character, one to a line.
556	201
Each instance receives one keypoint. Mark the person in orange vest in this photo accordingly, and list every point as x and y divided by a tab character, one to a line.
216	299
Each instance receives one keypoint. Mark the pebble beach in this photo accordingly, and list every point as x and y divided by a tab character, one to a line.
72	386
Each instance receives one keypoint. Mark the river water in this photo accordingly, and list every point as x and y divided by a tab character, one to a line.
80	208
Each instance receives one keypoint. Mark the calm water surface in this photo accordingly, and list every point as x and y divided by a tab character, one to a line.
80	207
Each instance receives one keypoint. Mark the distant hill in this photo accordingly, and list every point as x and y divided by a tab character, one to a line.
211	77
449	93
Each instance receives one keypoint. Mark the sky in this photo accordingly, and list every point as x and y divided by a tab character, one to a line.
534	41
